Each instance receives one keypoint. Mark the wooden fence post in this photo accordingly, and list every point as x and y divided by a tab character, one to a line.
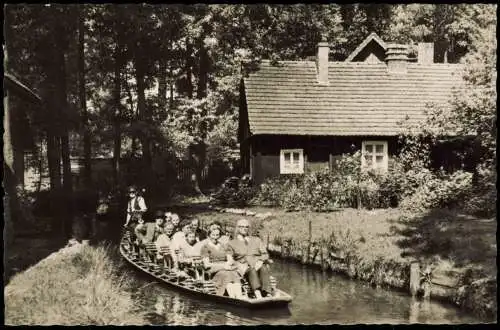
414	278
309	243
310	231
322	257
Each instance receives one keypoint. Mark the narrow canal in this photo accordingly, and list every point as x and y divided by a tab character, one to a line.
318	299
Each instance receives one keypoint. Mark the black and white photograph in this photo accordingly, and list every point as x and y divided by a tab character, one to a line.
249	164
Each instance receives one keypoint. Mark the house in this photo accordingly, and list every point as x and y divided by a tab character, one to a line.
16	140
300	116
17	136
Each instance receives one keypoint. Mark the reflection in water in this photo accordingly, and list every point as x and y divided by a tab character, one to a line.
414	310
318	299
160	306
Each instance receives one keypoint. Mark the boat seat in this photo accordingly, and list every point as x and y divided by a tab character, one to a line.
150	249
165	251
273	282
209	287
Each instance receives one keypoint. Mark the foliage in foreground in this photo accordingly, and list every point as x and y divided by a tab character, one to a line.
77	289
349	186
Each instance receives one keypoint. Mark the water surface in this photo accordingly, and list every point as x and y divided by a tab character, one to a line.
319	298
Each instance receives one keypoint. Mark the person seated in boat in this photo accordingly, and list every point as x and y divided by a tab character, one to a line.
168	216
252	258
180	235
199	232
175	220
136	207
220	266
223	239
148	232
184	252
165	240
178	239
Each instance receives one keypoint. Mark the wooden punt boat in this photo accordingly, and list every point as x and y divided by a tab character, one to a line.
199	287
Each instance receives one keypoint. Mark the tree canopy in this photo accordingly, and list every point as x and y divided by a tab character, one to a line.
163	79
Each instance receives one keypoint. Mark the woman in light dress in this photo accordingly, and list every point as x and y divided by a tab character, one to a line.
220	265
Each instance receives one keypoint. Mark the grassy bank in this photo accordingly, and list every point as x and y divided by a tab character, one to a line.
378	246
72	288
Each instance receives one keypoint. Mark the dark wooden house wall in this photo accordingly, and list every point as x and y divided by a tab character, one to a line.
319	151
243	132
323	152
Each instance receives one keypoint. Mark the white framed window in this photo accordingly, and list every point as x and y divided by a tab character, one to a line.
291	161
375	155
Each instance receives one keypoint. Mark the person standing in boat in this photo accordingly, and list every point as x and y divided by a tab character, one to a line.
136	207
220	265
252	258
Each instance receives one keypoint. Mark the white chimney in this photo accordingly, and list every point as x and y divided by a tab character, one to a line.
396	56
425	52
322	62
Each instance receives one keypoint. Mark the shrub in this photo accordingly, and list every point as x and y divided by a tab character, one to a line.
234	192
390	190
346	186
415	188
272	191
439	191
481	200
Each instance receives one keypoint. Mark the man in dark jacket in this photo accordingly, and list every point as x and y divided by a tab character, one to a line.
251	258
199	233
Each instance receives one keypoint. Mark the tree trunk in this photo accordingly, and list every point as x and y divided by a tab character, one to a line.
67	178
117	134
8	165
54	163
203	68
144	115
133	110
172	81
67	198
87	147
40	168
54	159
171	98
201	92
162	84
198	157
189	68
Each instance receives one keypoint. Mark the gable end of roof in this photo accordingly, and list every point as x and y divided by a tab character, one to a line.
372	37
